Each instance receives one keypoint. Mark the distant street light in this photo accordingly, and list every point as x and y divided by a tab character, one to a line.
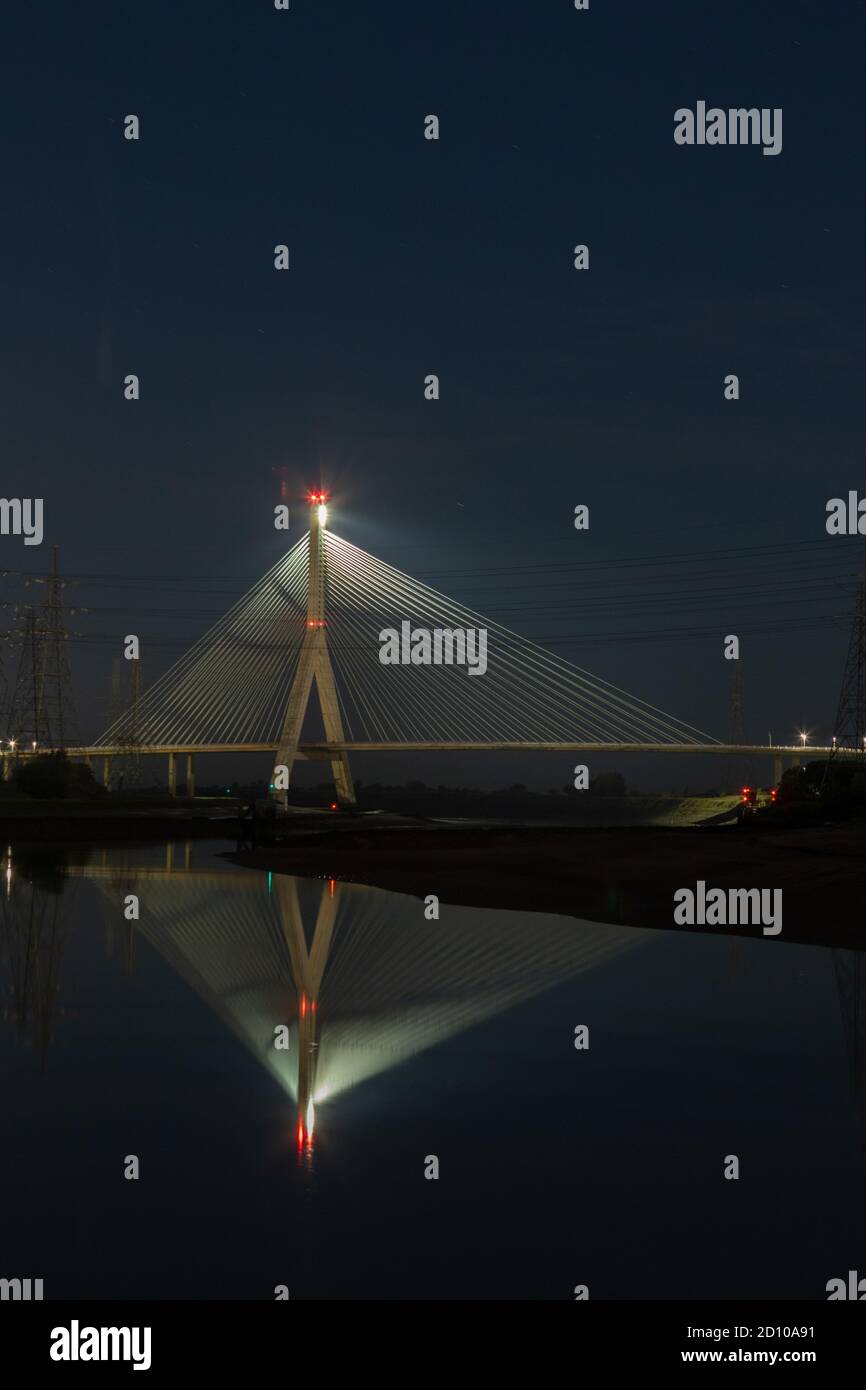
803	739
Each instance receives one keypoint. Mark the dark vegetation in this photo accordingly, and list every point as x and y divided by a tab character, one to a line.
54	775
817	793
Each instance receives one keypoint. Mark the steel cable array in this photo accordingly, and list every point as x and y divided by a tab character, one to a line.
527	693
233	684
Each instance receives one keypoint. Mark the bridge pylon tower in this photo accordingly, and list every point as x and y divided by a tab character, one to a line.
314	662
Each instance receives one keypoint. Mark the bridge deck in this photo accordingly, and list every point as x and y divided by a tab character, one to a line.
327	750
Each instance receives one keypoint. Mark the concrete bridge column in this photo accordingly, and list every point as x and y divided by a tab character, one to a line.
7	767
190	775
172	774
106	771
777	770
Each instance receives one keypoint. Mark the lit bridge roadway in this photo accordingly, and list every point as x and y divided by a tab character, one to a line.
327	752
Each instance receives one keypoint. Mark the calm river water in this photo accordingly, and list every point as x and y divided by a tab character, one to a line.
286	1058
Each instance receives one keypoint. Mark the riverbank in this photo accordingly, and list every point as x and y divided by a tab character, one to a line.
625	876
144	816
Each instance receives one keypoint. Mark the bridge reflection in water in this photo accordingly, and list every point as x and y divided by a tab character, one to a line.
358	980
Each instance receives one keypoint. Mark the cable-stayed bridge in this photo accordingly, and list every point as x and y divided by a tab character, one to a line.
397	666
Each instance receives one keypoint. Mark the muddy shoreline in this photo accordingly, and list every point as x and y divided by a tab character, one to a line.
626	876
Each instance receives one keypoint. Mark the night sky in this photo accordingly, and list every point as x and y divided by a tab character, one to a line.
454	257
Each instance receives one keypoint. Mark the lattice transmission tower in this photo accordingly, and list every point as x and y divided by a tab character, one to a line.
42	707
5	647
124	717
739	764
850	727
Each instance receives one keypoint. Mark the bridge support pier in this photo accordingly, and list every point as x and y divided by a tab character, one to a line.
777	770
172	774
106	771
190	775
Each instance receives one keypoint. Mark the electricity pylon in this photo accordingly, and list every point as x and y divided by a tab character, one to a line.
850	727
315	662
26	726
739	767
42	708
124	713
5	644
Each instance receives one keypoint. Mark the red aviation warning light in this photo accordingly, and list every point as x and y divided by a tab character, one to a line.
317	499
